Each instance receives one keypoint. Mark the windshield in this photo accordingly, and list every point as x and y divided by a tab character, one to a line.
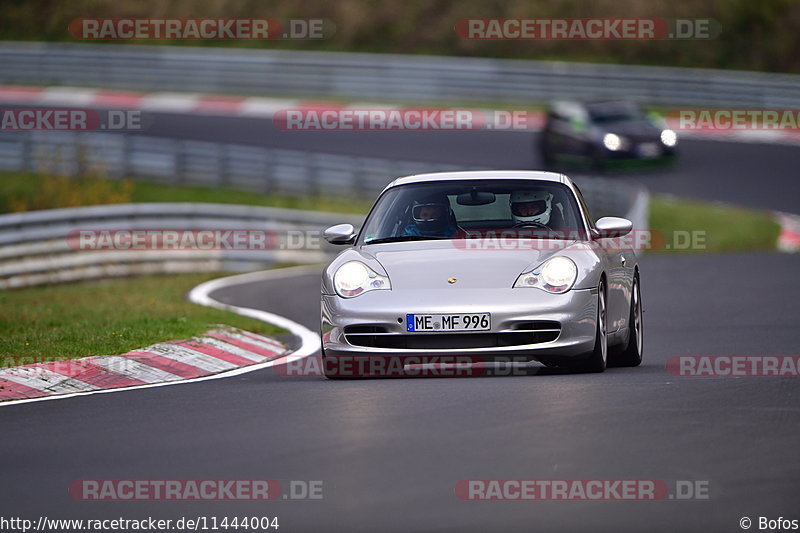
469	209
607	113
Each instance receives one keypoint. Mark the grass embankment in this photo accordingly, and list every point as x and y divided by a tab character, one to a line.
106	317
692	226
29	191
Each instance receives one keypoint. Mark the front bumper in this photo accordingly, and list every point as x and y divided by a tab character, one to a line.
642	150
511	310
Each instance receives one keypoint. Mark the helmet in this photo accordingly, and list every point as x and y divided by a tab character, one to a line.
531	207
432	213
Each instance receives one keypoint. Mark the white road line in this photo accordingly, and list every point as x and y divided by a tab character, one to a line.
170	102
77	96
309	341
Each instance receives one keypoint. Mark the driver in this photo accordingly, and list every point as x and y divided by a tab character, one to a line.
433	217
531	208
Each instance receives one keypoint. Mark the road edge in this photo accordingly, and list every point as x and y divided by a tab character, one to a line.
308	340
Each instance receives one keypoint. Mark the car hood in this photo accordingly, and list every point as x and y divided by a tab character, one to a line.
634	129
429	265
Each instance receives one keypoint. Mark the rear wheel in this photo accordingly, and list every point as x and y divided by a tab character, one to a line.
598	358
597	159
546	152
631	355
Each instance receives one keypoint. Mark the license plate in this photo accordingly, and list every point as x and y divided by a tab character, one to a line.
649	150
449	322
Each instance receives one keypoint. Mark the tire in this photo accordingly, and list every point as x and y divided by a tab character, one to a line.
597	161
546	153
597	360
631	355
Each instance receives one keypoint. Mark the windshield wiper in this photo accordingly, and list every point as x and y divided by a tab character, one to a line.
403	238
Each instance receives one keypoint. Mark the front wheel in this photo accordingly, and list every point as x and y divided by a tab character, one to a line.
598	358
631	355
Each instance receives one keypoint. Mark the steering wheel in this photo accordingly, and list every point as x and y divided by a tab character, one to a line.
532	225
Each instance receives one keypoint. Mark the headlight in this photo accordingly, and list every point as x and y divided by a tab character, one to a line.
669	138
613	142
354	278
555	275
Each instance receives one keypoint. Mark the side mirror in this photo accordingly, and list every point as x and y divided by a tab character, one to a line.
340	234
610	227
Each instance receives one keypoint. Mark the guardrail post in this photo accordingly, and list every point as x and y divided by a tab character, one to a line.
269	177
26	165
179	158
222	177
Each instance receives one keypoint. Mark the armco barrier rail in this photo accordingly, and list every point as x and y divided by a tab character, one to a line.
381	76
253	168
34	246
34	249
184	162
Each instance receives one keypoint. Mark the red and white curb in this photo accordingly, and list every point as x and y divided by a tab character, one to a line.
159	101
256	106
789	239
219	353
216	351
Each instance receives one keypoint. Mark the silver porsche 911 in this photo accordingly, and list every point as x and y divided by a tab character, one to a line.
489	265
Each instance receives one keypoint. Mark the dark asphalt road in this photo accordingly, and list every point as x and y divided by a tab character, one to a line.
762	176
389	452
753	175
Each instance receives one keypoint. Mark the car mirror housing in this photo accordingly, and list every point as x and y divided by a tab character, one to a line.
340	234
610	227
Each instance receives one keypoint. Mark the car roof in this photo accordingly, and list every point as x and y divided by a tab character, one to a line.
538	175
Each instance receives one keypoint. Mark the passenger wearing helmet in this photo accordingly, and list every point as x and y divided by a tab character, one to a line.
531	208
432	217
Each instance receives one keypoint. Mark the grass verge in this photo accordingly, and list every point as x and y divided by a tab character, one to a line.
106	317
28	191
691	226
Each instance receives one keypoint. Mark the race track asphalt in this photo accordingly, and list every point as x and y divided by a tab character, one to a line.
753	175
390	452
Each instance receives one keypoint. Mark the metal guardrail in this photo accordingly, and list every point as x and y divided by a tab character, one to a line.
382	76
252	168
35	248
201	163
